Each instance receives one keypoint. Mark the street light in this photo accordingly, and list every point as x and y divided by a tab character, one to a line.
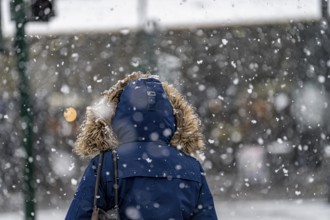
34	10
40	10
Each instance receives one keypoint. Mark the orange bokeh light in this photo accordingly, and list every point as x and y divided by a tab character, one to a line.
70	114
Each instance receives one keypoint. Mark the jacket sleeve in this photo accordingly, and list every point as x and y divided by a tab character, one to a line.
205	209
82	204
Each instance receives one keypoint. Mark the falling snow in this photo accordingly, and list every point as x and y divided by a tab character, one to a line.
261	91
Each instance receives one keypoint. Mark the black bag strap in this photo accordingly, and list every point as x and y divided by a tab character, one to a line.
98	174
115	178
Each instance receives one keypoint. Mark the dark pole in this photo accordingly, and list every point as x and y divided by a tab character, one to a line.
26	111
1	38
146	39
324	26
324	9
326	44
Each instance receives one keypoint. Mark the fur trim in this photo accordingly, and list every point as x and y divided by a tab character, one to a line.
96	133
188	137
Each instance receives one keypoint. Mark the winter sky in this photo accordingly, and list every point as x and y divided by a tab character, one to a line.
74	16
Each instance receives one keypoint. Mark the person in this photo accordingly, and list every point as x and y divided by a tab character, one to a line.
159	143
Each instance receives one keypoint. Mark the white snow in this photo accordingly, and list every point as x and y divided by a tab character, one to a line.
41	215
310	105
281	101
274	210
234	210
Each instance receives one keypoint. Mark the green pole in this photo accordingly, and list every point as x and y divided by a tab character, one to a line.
26	112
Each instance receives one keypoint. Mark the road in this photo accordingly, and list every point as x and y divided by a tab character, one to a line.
235	210
273	210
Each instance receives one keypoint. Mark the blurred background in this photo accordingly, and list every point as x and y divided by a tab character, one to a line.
257	72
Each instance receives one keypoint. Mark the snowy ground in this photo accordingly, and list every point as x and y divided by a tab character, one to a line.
274	210
236	210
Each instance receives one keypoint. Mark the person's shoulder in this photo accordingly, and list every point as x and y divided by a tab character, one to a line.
188	157
105	157
189	160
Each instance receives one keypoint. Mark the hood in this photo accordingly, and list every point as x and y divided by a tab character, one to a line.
143	113
140	108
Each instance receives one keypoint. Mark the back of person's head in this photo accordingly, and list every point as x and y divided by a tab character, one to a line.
140	100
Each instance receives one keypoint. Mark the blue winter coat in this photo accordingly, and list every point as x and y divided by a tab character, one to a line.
156	180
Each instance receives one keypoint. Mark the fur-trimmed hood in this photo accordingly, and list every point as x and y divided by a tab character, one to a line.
99	132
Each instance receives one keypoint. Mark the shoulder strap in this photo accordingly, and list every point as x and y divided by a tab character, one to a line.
98	174
115	178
